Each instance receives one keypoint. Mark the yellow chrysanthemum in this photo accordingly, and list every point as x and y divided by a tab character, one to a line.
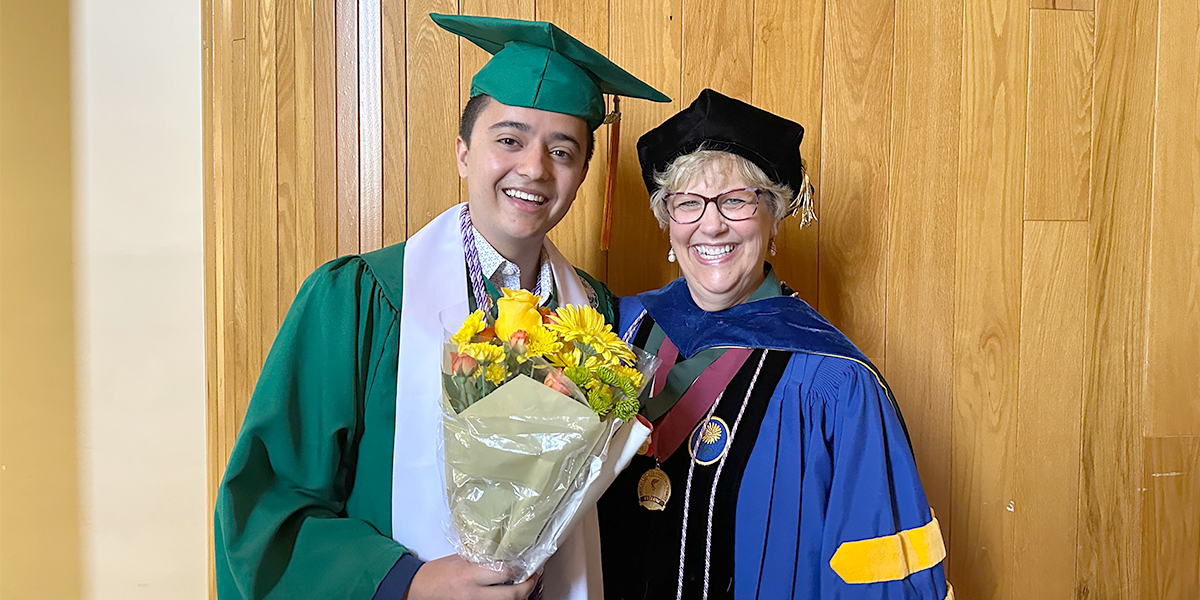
495	373
571	357
470	328
610	346
583	324
542	342
577	323
565	358
483	352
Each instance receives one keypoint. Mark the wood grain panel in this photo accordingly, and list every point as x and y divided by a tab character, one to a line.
1110	509
235	380
325	129
236	10
240	213
1063	4
1059	131
1046	497
239	380
987	296
370	127
788	80
646	42
855	151
285	149
432	106
224	174
926	96
1173	326
718	48
263	133
232	173
1171	522
578	234
213	99
395	133
348	185
252	323
210	154
305	188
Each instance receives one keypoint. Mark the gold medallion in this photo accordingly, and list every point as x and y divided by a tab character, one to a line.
645	447
654	489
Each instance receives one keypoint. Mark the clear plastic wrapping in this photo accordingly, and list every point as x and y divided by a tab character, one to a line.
522	460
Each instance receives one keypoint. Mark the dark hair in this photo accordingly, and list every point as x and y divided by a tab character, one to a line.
475	106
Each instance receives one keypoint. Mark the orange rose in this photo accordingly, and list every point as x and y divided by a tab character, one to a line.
555	382
462	364
519	341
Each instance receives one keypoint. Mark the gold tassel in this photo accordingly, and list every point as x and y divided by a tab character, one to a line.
802	203
613	120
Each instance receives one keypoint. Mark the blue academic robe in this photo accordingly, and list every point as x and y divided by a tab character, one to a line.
817	496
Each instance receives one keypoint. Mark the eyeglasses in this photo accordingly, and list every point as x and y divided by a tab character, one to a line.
734	205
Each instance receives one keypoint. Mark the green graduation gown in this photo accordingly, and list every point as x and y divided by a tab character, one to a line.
305	506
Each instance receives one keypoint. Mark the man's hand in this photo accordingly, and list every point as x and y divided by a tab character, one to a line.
454	578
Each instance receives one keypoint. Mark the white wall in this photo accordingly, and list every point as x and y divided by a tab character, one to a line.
136	76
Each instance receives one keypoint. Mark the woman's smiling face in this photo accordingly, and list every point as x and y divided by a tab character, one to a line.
722	260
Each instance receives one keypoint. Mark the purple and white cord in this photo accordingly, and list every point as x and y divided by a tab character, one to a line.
474	270
474	266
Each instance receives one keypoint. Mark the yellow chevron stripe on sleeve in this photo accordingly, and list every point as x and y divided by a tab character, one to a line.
892	557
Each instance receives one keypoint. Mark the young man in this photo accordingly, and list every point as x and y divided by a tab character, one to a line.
335	487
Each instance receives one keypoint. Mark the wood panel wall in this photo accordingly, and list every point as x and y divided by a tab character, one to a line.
1009	227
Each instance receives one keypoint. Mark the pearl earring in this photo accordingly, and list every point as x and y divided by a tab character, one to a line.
671	255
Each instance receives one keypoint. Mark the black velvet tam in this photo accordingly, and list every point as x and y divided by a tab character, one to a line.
719	122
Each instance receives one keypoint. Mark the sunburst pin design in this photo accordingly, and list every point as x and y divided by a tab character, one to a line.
709	441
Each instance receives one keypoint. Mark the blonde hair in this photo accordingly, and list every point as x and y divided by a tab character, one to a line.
780	199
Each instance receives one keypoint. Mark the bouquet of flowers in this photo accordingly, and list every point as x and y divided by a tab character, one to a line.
531	402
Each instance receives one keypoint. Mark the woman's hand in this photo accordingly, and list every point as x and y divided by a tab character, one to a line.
454	578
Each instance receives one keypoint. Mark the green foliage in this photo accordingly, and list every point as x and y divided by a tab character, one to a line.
464	391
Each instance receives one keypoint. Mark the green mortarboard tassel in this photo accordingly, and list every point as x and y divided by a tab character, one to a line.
538	65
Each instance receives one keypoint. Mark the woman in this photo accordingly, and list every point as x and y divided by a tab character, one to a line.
779	466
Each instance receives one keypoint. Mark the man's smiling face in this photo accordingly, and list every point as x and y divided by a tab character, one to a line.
523	168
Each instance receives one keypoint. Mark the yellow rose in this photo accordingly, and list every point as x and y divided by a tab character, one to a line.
518	311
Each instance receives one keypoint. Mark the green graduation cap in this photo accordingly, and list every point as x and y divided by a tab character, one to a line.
537	65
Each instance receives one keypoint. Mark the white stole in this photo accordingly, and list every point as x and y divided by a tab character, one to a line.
434	300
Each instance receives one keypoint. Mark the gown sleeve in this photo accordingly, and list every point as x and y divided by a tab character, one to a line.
281	529
879	537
